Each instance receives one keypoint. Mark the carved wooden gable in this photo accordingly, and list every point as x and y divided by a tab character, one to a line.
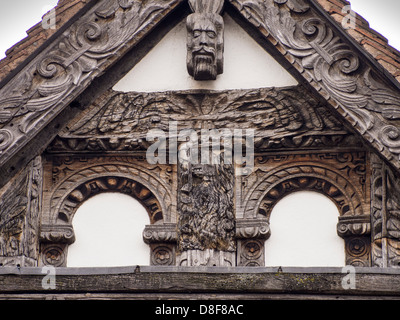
66	135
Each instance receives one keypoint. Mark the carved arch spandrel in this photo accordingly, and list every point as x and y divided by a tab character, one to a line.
135	181
76	181
275	181
276	184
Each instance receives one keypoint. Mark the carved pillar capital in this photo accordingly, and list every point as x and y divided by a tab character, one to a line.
354	226
57	234
257	228
156	233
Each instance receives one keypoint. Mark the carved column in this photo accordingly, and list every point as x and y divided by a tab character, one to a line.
162	239
385	208
20	207
251	235
206	223
356	230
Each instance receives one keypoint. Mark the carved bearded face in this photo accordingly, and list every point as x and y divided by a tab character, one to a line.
205	46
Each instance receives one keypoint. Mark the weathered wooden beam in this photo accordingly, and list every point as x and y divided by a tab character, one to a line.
148	282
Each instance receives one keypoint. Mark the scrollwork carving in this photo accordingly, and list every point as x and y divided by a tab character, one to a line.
57	234
160	233
333	67
6	138
358	225
257	228
95	41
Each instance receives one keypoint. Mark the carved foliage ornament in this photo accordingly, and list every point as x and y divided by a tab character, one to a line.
332	67
385	215
283	118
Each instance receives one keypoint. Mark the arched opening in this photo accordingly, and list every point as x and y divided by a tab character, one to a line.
303	232
108	230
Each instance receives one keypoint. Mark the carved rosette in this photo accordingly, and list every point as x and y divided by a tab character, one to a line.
53	255
358	251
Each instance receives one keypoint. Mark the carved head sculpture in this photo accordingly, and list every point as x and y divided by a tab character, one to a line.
205	45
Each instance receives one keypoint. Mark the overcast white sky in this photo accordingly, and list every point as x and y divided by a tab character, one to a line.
17	16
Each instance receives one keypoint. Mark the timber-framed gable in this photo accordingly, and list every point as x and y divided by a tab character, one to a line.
66	135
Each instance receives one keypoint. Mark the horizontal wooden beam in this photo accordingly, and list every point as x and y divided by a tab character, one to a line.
240	283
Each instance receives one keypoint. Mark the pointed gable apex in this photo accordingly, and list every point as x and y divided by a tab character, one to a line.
246	65
46	90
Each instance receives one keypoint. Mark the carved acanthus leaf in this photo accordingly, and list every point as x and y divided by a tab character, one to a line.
286	117
34	98
333	67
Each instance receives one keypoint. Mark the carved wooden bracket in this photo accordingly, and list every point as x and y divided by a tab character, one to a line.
205	44
156	233
354	226
57	234
162	239
251	235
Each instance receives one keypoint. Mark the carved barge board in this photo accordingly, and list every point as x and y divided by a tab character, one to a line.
367	98
36	98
